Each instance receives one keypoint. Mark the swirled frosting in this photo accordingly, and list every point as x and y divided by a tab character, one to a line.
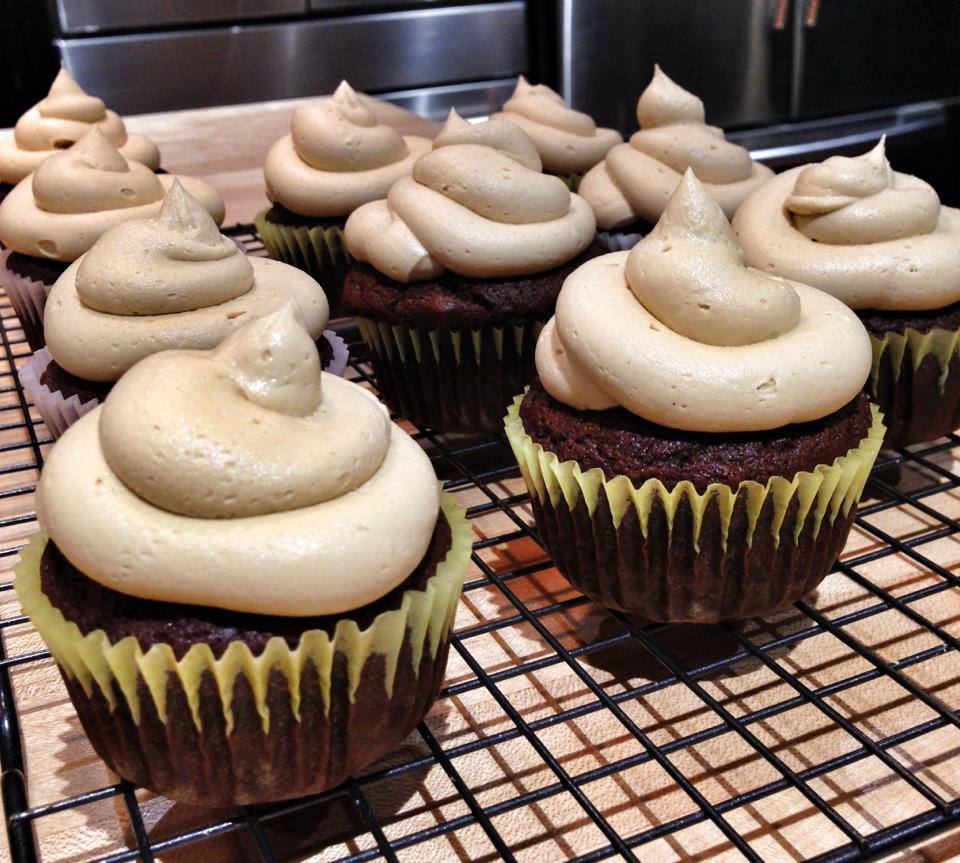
337	157
475	211
568	141
242	478
503	135
680	332
173	281
636	179
77	194
872	237
61	119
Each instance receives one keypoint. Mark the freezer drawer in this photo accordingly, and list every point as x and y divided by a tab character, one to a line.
89	16
380	52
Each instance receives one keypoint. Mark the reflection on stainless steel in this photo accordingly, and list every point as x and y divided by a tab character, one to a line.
471	100
89	16
378	52
727	53
362	5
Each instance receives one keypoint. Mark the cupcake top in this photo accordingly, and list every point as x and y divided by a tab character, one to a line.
854	227
242	478
681	332
61	119
337	157
476	206
568	141
171	281
636	179
75	195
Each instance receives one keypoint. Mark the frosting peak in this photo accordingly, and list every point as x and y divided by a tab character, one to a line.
636	179
869	235
337	157
664	102
845	201
275	363
67	100
568	141
689	274
681	333
473	210
503	135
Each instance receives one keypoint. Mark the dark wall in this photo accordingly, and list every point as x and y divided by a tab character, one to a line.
28	60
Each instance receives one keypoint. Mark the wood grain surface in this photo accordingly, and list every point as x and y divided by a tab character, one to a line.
499	765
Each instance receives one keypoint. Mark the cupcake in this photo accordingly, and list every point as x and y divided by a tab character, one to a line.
698	438
569	142
149	285
58	122
456	272
630	188
60	210
881	242
337	157
247	575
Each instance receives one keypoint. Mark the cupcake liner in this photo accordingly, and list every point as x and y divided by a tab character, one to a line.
451	380
341	354
682	555
28	297
915	380
58	412
242	728
618	242
321	252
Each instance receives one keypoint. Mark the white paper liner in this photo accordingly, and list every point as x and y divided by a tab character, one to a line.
615	242
58	413
341	353
27	295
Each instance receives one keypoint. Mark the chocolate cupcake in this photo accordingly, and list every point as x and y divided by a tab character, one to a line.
57	122
697	440
569	142
337	157
58	212
457	270
881	242
149	285
630	188
247	575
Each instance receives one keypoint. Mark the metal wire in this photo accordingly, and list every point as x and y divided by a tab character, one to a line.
480	464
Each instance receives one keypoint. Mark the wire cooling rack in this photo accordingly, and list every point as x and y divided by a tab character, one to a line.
829	731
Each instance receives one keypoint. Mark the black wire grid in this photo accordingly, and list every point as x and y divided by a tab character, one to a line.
479	466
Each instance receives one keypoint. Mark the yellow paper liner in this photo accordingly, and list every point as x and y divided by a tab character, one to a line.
321	252
452	380
423	620
821	493
914	346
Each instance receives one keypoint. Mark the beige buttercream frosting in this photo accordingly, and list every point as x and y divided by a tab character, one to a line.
75	195
568	141
503	135
337	157
636	179
61	119
173	281
872	237
473	210
682	333
242	478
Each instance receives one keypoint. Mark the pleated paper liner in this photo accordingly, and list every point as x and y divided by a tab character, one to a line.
28	298
451	380
320	252
916	382
243	728
59	412
681	555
